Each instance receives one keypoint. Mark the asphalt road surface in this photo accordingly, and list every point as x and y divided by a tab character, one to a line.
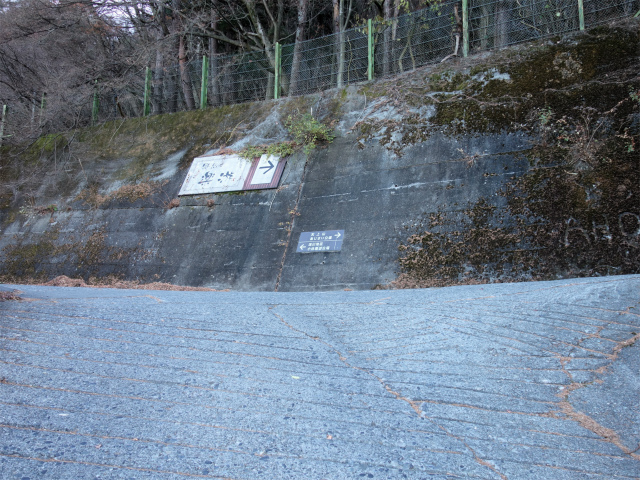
510	381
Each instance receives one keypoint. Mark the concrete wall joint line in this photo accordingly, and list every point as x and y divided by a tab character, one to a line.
294	213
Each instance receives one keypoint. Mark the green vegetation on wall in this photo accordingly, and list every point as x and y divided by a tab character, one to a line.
507	91
577	211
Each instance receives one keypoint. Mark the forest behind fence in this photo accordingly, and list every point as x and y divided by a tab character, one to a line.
373	50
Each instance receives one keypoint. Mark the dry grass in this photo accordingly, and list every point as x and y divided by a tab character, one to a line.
136	191
6	296
113	282
173	204
132	192
406	281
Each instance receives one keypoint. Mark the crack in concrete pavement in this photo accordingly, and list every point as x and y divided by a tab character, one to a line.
415	405
405	384
586	421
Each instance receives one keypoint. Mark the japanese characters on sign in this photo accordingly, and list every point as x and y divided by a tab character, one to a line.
320	241
220	173
230	173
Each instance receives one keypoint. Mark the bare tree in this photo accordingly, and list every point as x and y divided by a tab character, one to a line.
60	49
297	49
341	17
213	56
70	49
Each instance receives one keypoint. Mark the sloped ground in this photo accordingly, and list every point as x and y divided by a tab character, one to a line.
521	380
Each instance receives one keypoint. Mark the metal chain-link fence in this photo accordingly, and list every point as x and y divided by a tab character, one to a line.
399	45
316	66
498	23
416	39
597	12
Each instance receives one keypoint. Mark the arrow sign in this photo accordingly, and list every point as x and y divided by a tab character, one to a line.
266	172
320	241
268	167
231	173
322	236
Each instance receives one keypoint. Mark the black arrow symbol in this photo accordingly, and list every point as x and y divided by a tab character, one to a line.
269	167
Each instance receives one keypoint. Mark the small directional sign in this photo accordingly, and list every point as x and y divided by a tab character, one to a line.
265	169
320	241
265	172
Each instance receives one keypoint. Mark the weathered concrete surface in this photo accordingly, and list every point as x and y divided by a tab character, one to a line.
517	381
248	241
496	174
376	197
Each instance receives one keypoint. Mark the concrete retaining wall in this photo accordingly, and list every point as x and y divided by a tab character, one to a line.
248	241
439	141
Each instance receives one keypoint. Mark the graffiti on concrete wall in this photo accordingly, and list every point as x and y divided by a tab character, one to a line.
627	223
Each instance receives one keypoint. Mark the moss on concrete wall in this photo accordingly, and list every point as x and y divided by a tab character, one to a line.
577	211
506	92
568	109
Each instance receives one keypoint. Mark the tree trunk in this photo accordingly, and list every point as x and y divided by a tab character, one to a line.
213	62
386	48
297	49
500	24
156	102
185	79
408	46
270	86
176	31
484	27
397	9
268	46
338	29
226	84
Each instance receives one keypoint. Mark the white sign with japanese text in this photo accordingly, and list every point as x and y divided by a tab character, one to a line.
219	173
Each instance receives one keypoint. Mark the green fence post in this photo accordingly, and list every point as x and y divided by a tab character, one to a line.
581	13
278	67
4	117
96	105
146	109
465	28
370	45
204	86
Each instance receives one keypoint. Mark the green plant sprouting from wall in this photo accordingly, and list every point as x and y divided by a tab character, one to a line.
545	116
308	132
280	149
